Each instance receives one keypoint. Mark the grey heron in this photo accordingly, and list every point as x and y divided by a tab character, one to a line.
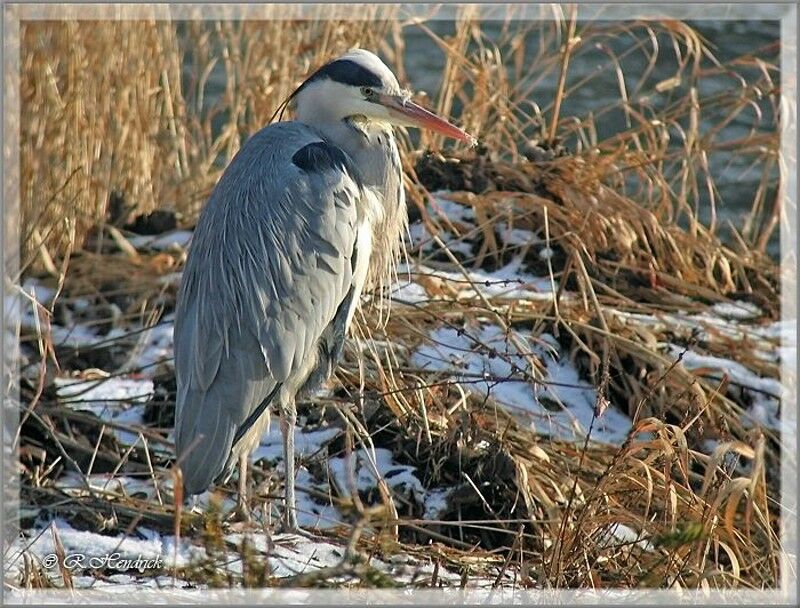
307	214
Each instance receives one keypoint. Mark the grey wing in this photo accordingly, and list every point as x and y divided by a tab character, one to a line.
270	270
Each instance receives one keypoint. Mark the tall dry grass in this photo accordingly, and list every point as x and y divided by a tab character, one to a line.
120	110
107	108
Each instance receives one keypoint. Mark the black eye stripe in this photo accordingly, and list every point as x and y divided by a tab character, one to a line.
347	72
344	71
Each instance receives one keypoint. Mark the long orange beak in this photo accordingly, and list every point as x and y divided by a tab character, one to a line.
411	114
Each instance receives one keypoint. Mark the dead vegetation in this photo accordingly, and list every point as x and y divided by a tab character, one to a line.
117	121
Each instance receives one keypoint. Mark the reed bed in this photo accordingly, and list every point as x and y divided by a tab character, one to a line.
116	124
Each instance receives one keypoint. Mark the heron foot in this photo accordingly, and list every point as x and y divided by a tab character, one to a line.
242	512
288	525
297	531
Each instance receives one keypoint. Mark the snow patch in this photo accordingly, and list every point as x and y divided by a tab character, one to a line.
76	485
558	403
360	469
620	534
737	310
454	211
169	241
105	397
408	292
436	501
438	210
306	443
765	393
515	236
154	347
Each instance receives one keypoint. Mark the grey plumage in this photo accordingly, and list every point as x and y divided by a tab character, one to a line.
251	311
306	214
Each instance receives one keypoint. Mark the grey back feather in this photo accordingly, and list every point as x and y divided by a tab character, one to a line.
269	266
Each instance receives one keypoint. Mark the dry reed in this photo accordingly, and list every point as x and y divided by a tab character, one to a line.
112	112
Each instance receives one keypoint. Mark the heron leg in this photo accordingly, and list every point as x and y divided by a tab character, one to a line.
288	420
242	507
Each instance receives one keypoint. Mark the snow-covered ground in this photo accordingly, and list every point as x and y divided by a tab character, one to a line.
529	375
550	396
146	559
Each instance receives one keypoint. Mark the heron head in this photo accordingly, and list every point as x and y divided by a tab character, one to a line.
358	84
